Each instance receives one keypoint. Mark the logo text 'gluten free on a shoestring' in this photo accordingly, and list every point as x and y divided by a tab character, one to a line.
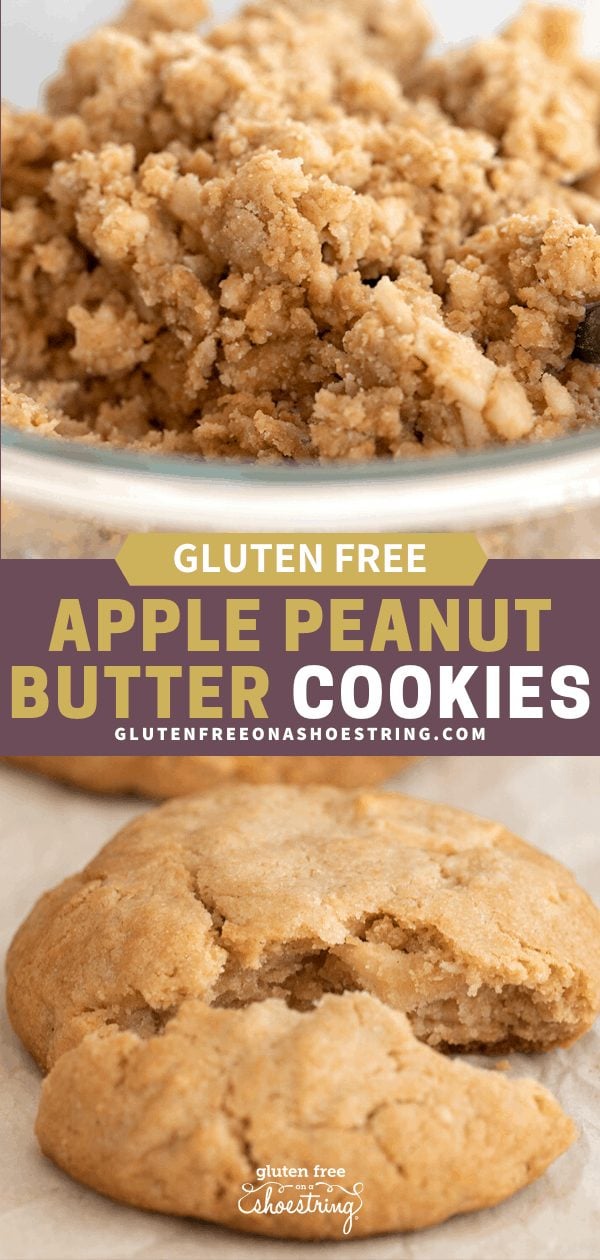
302	1192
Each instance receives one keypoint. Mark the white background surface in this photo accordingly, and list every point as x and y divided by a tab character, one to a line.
36	31
48	831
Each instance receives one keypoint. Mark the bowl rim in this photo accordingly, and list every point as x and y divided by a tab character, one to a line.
195	467
130	488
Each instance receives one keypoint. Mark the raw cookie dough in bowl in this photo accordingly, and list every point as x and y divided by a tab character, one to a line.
301	239
180	776
264	976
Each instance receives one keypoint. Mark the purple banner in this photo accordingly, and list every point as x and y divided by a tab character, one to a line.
421	693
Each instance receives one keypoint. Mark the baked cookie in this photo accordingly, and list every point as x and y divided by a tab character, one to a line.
180	776
181	1122
194	994
255	892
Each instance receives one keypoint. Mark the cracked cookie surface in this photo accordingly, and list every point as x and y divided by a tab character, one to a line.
301	237
253	892
249	977
179	1123
181	776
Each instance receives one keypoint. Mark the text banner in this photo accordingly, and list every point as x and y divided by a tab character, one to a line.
91	665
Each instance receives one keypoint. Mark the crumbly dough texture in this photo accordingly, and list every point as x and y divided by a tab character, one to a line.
300	236
164	777
249	977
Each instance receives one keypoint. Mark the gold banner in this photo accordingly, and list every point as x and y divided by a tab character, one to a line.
301	559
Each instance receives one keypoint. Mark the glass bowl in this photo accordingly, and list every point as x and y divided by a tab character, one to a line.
63	499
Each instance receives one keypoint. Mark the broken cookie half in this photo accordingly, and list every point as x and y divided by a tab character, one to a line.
181	1122
248	977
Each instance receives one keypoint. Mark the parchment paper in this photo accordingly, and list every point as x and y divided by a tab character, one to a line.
48	831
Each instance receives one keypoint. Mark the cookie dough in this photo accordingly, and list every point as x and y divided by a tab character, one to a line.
180	776
247	977
300	236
